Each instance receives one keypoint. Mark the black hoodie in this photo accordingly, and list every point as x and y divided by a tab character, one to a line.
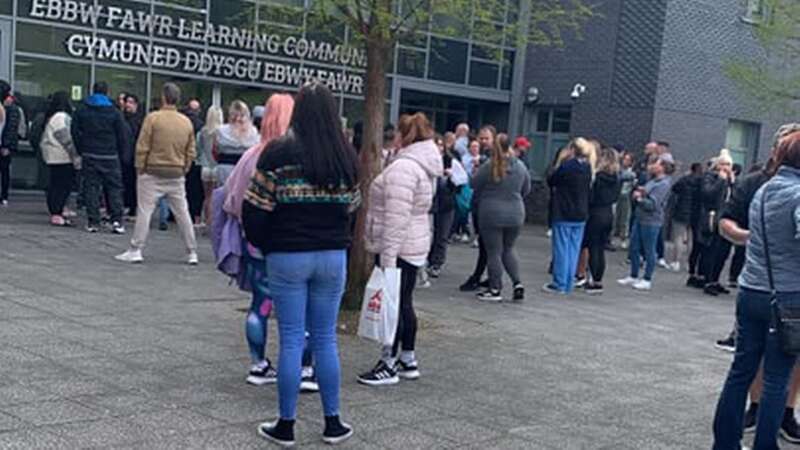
98	129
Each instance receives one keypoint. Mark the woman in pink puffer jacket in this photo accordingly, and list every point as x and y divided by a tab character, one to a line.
399	233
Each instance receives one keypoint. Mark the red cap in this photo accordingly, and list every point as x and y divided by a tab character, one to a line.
522	142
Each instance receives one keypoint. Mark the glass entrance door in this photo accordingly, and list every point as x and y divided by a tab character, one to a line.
5	50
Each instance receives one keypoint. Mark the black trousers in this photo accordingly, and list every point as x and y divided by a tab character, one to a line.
718	254
59	187
598	230
442	224
696	253
129	188
737	263
5	175
194	191
480	266
103	175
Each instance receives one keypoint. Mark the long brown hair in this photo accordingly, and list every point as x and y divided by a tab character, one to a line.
500	157
788	151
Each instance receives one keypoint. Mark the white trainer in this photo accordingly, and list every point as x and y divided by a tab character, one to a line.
131	256
627	281
193	260
664	264
643	285
675	267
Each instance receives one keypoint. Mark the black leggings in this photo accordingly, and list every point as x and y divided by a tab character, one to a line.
5	175
718	253
737	263
406	337
194	190
59	188
598	230
480	266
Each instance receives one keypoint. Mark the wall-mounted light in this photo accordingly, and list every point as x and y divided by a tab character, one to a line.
532	96
577	91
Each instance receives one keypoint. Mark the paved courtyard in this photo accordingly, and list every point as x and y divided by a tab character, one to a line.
97	354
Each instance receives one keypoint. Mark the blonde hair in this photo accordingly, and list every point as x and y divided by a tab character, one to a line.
724	157
584	148
214	119
608	161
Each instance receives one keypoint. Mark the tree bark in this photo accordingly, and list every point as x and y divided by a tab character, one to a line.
361	262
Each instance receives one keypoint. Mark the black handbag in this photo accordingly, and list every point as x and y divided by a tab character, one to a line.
786	318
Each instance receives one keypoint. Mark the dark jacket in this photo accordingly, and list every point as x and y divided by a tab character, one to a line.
714	194
570	185
445	199
194	117
605	190
686	199
134	122
98	129
738	207
283	212
10	137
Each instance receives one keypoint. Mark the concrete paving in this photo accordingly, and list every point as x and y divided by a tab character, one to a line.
98	354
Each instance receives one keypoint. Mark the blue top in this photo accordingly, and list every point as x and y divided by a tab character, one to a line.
782	217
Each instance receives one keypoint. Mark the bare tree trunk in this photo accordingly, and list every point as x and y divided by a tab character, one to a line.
361	263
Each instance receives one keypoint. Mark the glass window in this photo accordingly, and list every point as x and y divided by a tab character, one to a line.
483	74
190	89
543	121
756	11
281	12
508	70
36	79
198	4
410	62
233	13
46	39
5	7
742	140
562	120
253	96
354	111
123	80
448	60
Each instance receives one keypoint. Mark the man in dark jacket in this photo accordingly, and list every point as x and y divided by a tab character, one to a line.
685	213
9	138
134	116
194	182
717	189
101	138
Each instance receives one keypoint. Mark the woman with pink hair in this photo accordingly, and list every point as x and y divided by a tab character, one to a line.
274	124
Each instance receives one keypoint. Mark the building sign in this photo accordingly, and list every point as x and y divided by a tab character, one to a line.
214	62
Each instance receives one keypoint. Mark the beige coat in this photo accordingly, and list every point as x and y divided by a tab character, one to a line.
166	146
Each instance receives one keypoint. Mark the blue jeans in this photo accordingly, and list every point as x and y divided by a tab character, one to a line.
567	238
163	211
754	341
307	287
644	239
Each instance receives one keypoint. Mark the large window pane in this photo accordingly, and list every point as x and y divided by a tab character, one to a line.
36	79
190	89
448	60
233	13
122	80
5	7
253	96
410	62
43	39
483	74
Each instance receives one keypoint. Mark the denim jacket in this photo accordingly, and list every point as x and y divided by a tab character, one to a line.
782	217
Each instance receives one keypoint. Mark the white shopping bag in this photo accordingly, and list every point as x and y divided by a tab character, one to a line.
381	305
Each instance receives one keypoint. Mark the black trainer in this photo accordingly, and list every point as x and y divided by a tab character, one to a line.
381	375
336	431
711	290
490	295
262	374
519	292
727	345
593	288
280	432
790	431
695	282
470	285
750	418
407	371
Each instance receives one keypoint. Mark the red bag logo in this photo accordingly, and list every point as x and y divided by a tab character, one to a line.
375	301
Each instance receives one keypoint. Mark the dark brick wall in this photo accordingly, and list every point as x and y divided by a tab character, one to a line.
695	99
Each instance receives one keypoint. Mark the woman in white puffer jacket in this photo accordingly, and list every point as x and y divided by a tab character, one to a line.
399	233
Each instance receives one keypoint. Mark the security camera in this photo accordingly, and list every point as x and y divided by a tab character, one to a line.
577	91
533	95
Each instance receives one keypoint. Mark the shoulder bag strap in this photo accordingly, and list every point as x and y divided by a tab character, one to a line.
766	242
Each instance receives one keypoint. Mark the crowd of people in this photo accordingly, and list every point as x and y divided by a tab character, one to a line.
278	189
